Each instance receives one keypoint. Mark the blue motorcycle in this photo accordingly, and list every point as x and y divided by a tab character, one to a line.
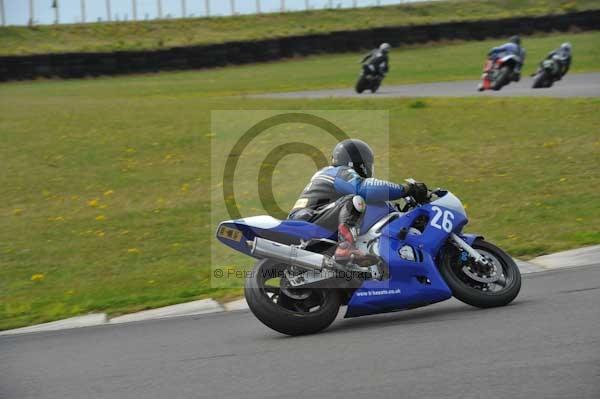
296	287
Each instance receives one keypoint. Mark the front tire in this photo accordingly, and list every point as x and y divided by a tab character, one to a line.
539	80
311	311
361	85
475	293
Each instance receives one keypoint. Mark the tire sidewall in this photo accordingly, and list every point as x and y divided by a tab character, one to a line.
283	320
474	297
502	79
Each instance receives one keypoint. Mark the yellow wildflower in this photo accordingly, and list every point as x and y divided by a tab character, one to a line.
93	203
100	218
108	193
37	277
133	251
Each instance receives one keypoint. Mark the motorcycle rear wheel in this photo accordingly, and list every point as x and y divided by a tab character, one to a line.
375	85
475	293
285	310
502	78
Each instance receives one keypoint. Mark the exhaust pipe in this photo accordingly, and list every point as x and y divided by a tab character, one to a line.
288	254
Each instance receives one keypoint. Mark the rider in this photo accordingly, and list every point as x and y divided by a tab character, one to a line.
512	47
562	55
377	61
336	196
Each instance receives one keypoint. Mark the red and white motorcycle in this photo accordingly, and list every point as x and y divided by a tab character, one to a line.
499	71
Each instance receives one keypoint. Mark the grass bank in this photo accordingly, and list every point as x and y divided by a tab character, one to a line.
146	35
104	199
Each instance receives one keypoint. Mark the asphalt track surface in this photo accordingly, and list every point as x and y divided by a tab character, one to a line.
572	85
544	345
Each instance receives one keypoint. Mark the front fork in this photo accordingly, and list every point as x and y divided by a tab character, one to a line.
476	256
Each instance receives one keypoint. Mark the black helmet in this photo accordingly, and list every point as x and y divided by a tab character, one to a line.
354	153
515	39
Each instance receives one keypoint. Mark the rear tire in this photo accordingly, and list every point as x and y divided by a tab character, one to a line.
502	79
283	313
466	291
375	85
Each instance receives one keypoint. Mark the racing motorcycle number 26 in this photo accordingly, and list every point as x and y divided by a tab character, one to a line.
446	216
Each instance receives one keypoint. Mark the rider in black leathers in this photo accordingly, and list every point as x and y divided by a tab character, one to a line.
562	56
377	61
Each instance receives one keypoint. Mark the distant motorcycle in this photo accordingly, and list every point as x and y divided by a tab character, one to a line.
498	72
548	73
369	80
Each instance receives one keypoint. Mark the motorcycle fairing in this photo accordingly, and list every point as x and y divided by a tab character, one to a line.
373	214
235	233
411	283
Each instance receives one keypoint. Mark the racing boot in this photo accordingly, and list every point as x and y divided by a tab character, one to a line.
346	251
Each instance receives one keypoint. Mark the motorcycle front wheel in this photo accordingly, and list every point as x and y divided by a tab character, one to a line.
482	289
362	84
539	81
287	310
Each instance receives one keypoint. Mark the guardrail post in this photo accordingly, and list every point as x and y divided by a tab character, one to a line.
31	13
56	11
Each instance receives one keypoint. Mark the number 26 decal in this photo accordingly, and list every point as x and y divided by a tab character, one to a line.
446	216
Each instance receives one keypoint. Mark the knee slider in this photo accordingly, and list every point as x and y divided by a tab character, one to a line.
359	203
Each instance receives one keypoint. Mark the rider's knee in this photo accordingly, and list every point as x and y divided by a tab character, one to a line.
359	203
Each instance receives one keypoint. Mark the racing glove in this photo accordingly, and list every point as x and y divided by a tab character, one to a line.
417	190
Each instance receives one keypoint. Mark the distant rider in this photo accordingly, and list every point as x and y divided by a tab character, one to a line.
377	61
512	47
562	56
336	197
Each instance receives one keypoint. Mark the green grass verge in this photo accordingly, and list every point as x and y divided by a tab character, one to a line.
172	33
104	196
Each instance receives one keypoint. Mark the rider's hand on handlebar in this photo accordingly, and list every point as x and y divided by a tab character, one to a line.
417	190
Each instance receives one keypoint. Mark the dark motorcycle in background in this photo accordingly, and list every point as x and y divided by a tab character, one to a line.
498	72
548	72
369	79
